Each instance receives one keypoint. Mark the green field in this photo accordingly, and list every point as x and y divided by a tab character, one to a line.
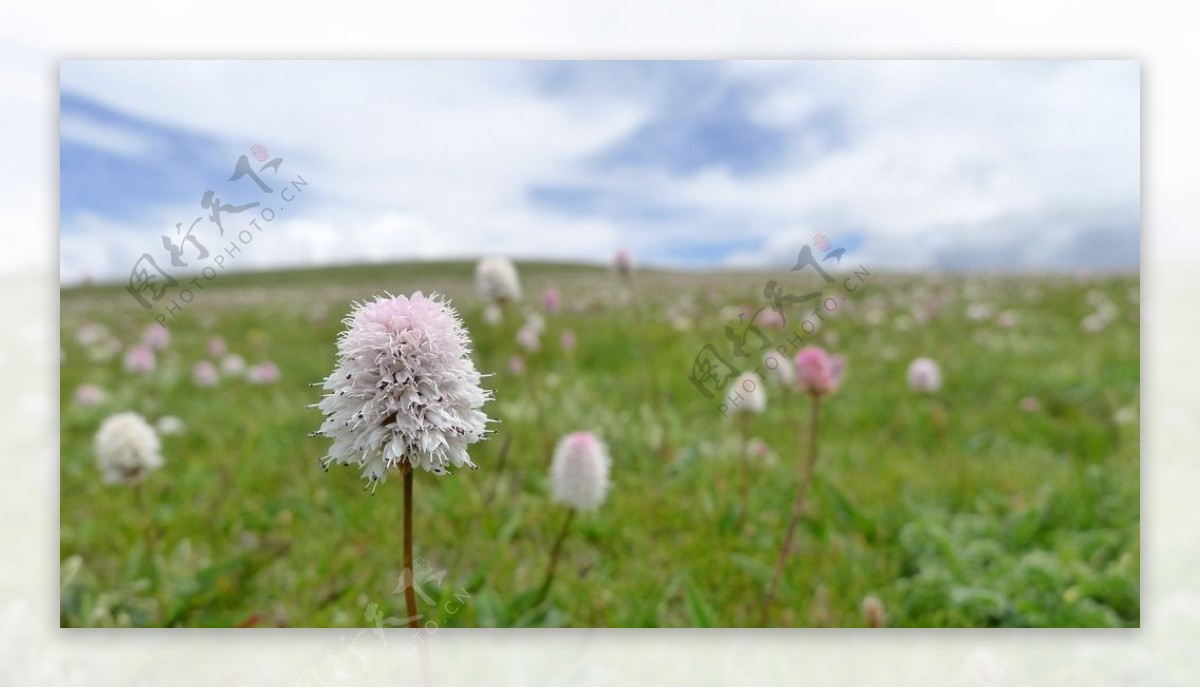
957	509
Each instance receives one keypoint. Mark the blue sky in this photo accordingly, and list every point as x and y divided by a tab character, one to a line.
915	165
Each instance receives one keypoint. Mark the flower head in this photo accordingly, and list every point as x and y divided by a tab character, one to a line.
156	336
88	395
126	448
817	372
529	337
263	373
205	374
169	425
567	340
751	397
497	281
404	390
924	375
140	359
551	300
216	347
780	369
233	364
579	472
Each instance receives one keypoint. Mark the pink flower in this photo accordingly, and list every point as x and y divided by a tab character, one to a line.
205	374
216	347
516	365
140	359
156	337
817	372
529	337
550	300
263	373
567	339
88	395
769	318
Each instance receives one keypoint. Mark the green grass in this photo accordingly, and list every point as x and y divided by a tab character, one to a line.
1001	518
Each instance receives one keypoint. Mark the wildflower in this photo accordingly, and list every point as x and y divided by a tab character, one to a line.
516	365
579	472
817	372
924	375
90	334
205	374
497	281
529	338
263	373
127	448
1030	405
140	359
567	340
404	390
492	314
156	336
750	397
551	300
216	347
88	395
169	425
233	364
780	370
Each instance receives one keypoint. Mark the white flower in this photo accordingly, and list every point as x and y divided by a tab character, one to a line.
529	337
126	448
579	472
780	370
233	364
169	425
492	315
496	279
747	395
924	375
404	389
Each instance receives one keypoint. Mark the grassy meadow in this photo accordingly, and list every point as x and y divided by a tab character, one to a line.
1010	497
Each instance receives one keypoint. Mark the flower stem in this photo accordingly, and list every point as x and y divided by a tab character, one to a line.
797	511
743	454
410	593
550	569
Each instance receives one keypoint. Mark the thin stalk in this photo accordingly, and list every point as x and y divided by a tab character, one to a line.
797	510
499	471
743	453
554	553
410	593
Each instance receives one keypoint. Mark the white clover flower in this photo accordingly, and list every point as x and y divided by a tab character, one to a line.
497	281
404	389
126	448
924	375
780	370
579	472
747	395
232	364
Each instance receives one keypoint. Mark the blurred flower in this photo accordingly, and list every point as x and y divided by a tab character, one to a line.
780	370
769	318
1030	405
156	336
233	364
139	359
492	314
404	389
1006	319
88	395
126	448
567	340
579	471
169	425
497	281
873	613
89	334
529	338
104	350
550	300
924	375
205	374
263	373
216	347
817	372
516	365
623	262
750	395
1125	415
979	311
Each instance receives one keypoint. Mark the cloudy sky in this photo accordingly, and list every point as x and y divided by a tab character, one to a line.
911	165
